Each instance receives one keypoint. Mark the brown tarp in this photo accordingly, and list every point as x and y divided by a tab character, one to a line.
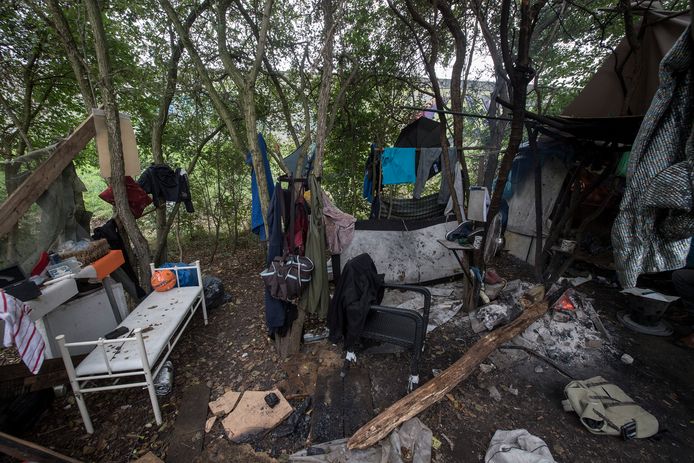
604	95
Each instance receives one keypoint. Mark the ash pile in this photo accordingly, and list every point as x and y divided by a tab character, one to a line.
571	332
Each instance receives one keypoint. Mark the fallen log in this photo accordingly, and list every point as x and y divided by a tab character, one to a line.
436	389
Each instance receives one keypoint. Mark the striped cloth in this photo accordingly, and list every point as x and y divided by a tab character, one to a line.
653	229
21	331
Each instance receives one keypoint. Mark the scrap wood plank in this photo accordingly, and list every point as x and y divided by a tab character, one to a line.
357	404
29	451
327	422
44	175
189	431
16	379
253	415
436	389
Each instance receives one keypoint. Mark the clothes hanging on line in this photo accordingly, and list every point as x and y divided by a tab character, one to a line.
445	190
166	185
398	165
276	310
316	298
339	226
459	193
257	220
138	199
429	164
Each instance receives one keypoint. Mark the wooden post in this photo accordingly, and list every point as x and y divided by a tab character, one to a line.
45	174
436	389
537	167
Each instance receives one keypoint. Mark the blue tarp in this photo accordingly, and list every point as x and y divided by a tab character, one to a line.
257	221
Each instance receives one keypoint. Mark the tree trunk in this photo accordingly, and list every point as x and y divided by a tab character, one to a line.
115	145
326	79
521	74
460	42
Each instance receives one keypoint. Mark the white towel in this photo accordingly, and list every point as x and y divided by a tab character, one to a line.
21	331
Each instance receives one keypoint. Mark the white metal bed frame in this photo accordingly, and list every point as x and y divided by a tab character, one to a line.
78	382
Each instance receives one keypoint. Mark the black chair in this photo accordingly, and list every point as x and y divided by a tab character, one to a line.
403	327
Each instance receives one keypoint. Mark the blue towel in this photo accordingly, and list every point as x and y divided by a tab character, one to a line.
398	165
257	222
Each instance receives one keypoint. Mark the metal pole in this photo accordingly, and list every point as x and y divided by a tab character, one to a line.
72	375
148	375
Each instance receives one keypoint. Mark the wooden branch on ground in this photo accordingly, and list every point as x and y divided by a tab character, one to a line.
436	389
28	451
45	174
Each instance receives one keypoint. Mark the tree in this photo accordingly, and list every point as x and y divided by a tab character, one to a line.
115	145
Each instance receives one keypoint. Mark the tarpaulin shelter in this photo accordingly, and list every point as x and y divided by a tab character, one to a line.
595	130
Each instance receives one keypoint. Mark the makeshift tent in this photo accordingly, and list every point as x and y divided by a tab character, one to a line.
594	133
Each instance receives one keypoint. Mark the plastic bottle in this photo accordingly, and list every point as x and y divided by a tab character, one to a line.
163	382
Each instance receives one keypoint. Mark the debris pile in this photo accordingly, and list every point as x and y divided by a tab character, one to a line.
570	332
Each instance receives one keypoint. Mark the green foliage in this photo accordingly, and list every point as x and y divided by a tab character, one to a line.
378	69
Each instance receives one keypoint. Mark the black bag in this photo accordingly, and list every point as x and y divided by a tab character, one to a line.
288	275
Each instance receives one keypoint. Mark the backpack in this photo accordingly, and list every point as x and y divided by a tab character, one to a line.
604	408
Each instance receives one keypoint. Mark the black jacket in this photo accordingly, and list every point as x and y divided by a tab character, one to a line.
165	184
360	286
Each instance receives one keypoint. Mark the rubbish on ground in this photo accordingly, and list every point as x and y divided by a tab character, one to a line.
435	443
517	446
486	367
252	415
290	425
450	442
213	288
209	423
627	359
271	400
491	277
493	291
315	337
493	315
412	442
435	372
435	389
576	281
511	390
604	408
494	393
538	369
163	382
225	403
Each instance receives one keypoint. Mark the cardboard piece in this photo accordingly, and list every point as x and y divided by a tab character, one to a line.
253	416
225	403
127	134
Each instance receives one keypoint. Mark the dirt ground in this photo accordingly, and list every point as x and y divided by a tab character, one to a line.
660	379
